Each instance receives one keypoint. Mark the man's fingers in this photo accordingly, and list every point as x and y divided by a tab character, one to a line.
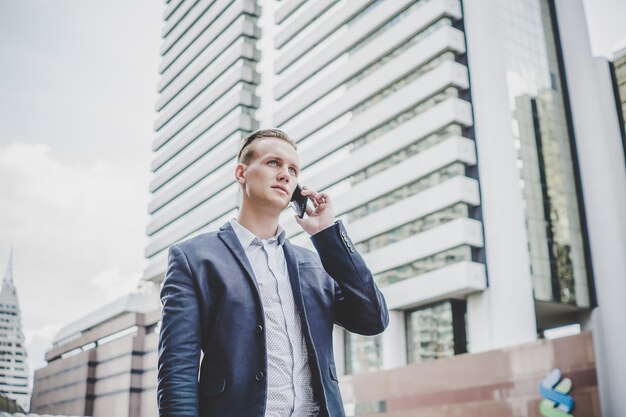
311	196
315	197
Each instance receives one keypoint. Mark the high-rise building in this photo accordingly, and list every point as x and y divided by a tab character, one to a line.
14	371
459	140
207	100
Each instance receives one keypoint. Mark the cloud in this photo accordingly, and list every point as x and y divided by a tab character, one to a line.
112	282
38	341
78	231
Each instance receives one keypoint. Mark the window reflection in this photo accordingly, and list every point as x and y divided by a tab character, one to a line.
414	227
423	265
430	333
545	158
399	194
363	353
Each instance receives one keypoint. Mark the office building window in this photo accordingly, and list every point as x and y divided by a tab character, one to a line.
436	331
423	265
414	227
437	177
362	353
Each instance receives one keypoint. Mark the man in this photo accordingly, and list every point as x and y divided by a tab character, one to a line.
260	309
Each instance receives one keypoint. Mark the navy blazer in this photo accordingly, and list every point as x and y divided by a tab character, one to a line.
211	303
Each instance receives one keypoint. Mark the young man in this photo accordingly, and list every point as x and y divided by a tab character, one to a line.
260	309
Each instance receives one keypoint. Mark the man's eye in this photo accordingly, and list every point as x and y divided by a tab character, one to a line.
293	171
272	162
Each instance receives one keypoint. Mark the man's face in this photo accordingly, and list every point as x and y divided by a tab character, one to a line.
272	175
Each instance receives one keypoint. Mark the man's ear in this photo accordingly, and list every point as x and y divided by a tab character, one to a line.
240	174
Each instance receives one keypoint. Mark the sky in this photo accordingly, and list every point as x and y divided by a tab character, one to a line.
78	87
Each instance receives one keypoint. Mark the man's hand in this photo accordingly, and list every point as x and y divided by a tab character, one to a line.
321	216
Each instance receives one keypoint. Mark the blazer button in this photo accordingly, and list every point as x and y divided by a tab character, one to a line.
259	376
259	329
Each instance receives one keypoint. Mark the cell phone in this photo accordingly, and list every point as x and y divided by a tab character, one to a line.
298	202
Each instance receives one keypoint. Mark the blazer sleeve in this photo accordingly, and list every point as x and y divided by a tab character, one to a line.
359	305
179	340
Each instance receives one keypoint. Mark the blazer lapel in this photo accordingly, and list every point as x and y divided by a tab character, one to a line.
294	278
228	236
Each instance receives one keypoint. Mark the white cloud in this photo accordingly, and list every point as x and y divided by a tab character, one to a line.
38	341
112	282
78	231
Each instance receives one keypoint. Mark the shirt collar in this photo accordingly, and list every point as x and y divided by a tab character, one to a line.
246	237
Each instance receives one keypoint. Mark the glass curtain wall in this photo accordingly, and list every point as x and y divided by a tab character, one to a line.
543	145
436	331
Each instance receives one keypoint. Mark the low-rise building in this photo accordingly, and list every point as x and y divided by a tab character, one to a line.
104	364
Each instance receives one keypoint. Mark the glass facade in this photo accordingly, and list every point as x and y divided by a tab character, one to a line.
362	353
420	225
423	265
543	145
406	191
436	331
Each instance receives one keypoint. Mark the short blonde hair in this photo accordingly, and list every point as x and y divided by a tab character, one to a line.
246	152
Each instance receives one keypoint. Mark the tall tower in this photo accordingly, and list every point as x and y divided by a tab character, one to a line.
206	104
13	362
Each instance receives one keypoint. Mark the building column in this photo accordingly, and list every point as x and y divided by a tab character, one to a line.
601	164
504	314
394	341
339	349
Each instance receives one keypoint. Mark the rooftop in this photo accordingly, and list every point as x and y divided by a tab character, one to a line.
131	303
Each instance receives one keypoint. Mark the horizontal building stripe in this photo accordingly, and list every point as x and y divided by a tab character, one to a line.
308	14
445	38
202	74
324	28
184	55
452	191
287	8
455	149
195	219
454	281
177	16
175	80
228	69
427	123
204	113
210	187
374	116
447	74
168	164
449	235
171	7
187	27
195	172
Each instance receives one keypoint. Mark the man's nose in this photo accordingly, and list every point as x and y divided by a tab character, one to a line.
284	174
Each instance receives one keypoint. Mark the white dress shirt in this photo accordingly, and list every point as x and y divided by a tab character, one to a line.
289	383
